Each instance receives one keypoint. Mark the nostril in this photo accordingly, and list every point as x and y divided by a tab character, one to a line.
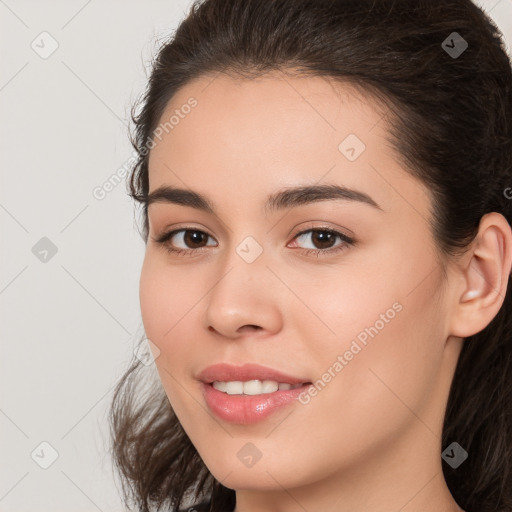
249	328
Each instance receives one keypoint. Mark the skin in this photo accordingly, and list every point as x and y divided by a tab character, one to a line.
371	439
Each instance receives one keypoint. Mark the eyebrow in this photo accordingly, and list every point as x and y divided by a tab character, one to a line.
286	198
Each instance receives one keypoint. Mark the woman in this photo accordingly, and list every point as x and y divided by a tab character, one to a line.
326	192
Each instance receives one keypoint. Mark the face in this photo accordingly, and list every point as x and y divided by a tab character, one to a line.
343	292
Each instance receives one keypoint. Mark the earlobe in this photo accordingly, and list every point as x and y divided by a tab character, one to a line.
485	277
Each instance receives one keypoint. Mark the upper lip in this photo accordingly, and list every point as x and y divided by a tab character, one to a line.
224	372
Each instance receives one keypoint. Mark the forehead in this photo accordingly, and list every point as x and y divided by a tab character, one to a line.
275	105
286	115
249	137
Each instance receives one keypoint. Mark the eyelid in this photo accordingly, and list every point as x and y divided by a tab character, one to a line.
167	232
323	226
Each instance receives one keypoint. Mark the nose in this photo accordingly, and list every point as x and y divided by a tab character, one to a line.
244	301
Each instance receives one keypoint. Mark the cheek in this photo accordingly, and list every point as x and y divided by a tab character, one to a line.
167	298
382	359
152	298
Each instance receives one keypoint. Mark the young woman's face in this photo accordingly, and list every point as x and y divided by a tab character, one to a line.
364	321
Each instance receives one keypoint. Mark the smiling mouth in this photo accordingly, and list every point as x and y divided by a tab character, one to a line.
254	387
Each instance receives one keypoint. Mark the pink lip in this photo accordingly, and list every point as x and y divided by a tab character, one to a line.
226	372
247	409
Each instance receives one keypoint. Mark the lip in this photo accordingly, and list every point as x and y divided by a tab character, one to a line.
247	409
227	372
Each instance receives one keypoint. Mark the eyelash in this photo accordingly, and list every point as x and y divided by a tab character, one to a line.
347	241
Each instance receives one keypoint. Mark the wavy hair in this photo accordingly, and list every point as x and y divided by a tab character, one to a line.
450	119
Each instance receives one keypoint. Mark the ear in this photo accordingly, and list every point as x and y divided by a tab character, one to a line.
484	277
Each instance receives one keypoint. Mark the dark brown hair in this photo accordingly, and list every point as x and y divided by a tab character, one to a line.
450	119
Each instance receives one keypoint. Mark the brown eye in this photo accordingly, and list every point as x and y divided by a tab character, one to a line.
323	239
193	239
190	240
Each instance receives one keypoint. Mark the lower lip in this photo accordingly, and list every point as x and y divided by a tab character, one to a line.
248	409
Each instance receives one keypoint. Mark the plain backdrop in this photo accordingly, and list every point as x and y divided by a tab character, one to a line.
70	259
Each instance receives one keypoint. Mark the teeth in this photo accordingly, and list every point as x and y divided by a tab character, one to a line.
252	387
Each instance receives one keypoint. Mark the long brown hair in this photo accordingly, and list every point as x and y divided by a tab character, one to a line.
451	122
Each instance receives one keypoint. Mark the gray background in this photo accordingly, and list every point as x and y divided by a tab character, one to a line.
71	320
